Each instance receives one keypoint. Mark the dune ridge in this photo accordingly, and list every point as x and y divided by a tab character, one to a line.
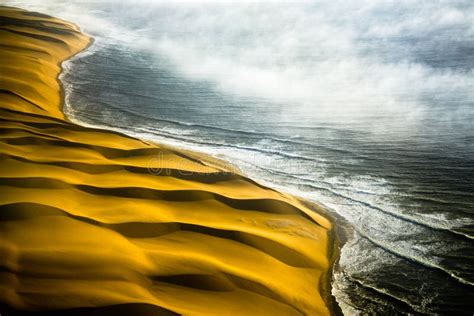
96	222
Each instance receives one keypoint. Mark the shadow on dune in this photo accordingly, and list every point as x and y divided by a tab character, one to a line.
114	310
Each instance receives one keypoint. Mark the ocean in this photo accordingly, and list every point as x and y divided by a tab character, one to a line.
364	107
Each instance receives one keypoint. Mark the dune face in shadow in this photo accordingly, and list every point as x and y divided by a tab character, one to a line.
93	222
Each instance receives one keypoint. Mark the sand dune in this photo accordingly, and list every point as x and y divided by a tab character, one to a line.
95	222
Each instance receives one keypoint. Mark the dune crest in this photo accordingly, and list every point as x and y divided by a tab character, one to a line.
95	222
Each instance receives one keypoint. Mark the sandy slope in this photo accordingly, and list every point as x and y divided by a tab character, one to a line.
91	218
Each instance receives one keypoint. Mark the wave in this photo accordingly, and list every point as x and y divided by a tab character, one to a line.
307	181
420	260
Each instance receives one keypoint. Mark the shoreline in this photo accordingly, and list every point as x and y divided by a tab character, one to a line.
337	243
204	169
335	235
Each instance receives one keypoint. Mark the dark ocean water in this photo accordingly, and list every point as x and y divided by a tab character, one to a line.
367	108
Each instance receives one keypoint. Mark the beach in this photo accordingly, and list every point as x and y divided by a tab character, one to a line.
93	219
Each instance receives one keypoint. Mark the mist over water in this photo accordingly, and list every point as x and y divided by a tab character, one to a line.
366	107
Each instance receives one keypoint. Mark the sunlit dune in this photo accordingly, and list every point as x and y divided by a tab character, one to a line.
95	222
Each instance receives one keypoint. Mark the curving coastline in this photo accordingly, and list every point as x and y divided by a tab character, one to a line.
93	220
